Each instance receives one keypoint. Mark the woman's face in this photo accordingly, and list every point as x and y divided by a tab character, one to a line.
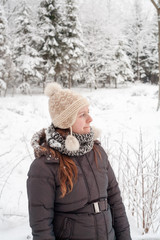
83	120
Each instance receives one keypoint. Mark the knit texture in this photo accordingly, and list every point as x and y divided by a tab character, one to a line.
57	142
64	105
40	145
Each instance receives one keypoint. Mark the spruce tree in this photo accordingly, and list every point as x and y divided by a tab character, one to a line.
150	49
102	33
49	26
26	56
124	71
135	32
6	64
72	43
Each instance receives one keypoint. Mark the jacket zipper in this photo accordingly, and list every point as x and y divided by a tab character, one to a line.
95	224
105	225
85	180
94	177
99	198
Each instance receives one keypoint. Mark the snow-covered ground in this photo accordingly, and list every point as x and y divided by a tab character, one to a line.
121	114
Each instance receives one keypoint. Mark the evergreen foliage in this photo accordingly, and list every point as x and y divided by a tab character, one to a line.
141	32
72	44
150	61
6	64
48	44
124	70
49	30
26	55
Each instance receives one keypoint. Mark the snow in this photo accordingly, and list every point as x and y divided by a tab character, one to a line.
121	114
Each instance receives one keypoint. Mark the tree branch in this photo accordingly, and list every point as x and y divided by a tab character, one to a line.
156	6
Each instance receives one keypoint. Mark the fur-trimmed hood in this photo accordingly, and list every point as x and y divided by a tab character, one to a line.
38	142
40	146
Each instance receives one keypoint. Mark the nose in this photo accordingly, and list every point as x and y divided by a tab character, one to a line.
89	119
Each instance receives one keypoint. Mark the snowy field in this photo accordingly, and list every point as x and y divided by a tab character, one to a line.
121	114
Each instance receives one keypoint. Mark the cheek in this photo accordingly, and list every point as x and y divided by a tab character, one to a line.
78	127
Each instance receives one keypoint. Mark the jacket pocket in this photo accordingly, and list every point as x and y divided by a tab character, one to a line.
63	228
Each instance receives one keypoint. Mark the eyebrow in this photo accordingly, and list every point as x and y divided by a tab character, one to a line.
83	112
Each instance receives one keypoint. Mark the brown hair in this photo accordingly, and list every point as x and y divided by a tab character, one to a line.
67	172
67	169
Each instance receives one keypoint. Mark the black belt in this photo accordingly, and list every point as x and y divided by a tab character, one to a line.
94	208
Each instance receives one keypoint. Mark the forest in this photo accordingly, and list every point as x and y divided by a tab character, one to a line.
100	43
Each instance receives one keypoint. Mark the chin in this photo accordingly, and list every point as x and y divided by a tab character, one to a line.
87	130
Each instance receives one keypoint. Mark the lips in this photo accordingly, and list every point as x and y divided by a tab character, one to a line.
86	129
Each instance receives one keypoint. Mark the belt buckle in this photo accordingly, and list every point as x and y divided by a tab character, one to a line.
96	207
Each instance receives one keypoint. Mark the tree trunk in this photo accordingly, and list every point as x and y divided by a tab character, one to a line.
115	82
138	66
69	77
55	77
159	55
5	92
157	6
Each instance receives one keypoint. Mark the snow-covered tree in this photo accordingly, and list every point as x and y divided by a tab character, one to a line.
49	26
94	39
3	2
141	32
7	7
24	88
103	34
124	70
136	33
157	7
6	65
150	60
26	56
72	43
2	87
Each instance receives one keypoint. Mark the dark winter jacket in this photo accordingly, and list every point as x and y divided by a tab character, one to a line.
74	217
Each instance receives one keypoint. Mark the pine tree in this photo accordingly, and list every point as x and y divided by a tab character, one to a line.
26	56
72	43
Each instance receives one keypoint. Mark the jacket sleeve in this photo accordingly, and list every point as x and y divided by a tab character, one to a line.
41	195
120	221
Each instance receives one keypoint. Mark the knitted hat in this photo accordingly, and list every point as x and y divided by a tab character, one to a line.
64	106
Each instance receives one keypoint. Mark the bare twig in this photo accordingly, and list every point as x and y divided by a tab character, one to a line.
156	6
3	154
11	174
27	148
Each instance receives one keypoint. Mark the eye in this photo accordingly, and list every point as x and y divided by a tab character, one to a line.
82	115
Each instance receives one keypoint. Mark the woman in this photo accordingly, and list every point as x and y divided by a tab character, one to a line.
72	190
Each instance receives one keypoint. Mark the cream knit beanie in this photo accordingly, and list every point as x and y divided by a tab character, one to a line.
64	106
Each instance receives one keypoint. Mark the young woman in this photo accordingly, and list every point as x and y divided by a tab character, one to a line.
72	190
